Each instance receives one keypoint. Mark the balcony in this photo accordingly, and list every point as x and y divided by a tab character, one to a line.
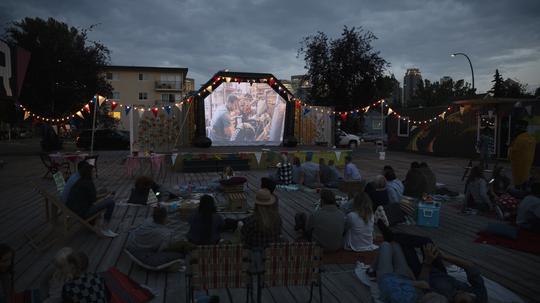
168	86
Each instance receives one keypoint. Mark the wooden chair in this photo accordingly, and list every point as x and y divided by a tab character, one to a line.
93	161
56	210
292	264
52	166
219	266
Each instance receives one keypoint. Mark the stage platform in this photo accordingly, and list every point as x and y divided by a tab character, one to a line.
213	159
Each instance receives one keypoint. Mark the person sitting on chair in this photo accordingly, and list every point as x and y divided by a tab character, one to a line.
205	225
82	200
72	180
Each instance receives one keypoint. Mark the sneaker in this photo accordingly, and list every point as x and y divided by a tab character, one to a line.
109	233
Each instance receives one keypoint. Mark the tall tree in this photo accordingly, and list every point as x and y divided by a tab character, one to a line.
498	85
345	72
65	69
440	93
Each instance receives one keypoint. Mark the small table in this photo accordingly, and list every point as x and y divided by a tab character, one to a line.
71	158
157	161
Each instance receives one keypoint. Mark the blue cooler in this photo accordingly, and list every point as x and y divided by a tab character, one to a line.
428	214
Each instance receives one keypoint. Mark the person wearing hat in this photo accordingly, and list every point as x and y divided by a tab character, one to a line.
528	213
264	226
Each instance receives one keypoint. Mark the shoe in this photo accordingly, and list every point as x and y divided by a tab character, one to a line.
109	233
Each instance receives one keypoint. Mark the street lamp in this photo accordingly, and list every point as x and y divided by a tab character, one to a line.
470	64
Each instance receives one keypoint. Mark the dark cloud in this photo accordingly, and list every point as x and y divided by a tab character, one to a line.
263	35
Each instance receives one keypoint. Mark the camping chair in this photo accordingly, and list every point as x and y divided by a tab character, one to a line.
219	266
56	210
52	166
292	264
93	161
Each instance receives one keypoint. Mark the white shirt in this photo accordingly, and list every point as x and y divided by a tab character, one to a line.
351	172
359	235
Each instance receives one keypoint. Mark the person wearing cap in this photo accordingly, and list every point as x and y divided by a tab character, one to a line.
264	226
528	213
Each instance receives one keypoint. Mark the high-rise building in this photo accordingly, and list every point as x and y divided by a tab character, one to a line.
412	79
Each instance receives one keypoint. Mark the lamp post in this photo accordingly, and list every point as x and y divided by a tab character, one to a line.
470	64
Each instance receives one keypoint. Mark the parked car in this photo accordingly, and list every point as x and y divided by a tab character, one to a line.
373	137
104	139
345	139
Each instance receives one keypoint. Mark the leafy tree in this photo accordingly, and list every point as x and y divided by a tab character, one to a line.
440	93
537	92
498	84
508	88
345	72
65	69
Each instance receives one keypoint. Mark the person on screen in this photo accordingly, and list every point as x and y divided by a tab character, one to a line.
222	126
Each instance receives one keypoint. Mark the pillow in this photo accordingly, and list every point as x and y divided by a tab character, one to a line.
123	289
502	230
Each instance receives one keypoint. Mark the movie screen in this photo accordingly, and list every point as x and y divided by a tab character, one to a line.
244	114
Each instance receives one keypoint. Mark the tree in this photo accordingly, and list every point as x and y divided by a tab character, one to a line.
440	93
537	92
345	72
65	69
498	84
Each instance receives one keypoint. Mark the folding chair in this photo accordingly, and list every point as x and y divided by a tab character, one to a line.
292	264
52	166
93	161
219	266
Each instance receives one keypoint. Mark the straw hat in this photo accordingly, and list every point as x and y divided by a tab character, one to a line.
264	197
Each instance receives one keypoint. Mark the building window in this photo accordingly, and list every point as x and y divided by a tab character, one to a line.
403	127
143	96
167	97
116	95
376	124
143	77
112	76
115	115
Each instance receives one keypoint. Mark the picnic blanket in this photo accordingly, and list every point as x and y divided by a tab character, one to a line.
496	292
526	241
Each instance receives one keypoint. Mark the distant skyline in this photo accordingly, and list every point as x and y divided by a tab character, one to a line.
264	36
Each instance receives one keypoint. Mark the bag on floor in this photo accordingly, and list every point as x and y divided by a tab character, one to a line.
507	207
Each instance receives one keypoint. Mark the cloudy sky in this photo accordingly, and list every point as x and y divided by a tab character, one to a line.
263	35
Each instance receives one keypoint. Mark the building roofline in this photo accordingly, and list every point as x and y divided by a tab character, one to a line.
144	68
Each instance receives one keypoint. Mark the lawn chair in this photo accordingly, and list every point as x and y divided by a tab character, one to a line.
219	266
55	210
52	166
92	160
292	264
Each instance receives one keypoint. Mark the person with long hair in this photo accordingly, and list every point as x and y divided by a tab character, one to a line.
415	182
377	191
205	225
62	273
7	256
476	191
359	225
264	226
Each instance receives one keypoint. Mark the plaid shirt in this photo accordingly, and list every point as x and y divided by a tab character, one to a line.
88	288
285	173
253	237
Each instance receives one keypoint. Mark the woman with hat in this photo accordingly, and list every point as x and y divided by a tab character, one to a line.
264	226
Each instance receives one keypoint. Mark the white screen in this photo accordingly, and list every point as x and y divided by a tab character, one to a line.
244	114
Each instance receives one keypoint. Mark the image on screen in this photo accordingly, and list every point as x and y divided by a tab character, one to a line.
244	114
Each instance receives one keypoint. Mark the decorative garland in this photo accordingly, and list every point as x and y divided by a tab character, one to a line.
217	80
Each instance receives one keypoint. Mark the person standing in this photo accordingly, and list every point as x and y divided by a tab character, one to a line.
521	154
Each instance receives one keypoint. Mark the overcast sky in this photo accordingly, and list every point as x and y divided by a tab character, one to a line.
263	35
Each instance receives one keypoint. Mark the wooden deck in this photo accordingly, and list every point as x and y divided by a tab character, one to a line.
21	210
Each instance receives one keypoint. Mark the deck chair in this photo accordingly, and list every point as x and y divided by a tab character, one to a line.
219	266
292	264
92	160
53	167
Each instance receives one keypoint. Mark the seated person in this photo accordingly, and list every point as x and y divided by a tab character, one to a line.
296	171
415	182
476	191
446	285
499	182
227	173
310	175
72	180
143	185
205	225
528	213
351	172
271	186
54	280
335	175
393	185
395	279
431	179
264	226
152	241
284	174
324	171
85	286
377	191
324	226
359	225
7	256
82	200
329	174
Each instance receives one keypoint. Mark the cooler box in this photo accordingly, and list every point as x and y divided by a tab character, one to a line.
428	214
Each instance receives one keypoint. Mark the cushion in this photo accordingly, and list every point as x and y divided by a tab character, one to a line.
502	230
123	289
